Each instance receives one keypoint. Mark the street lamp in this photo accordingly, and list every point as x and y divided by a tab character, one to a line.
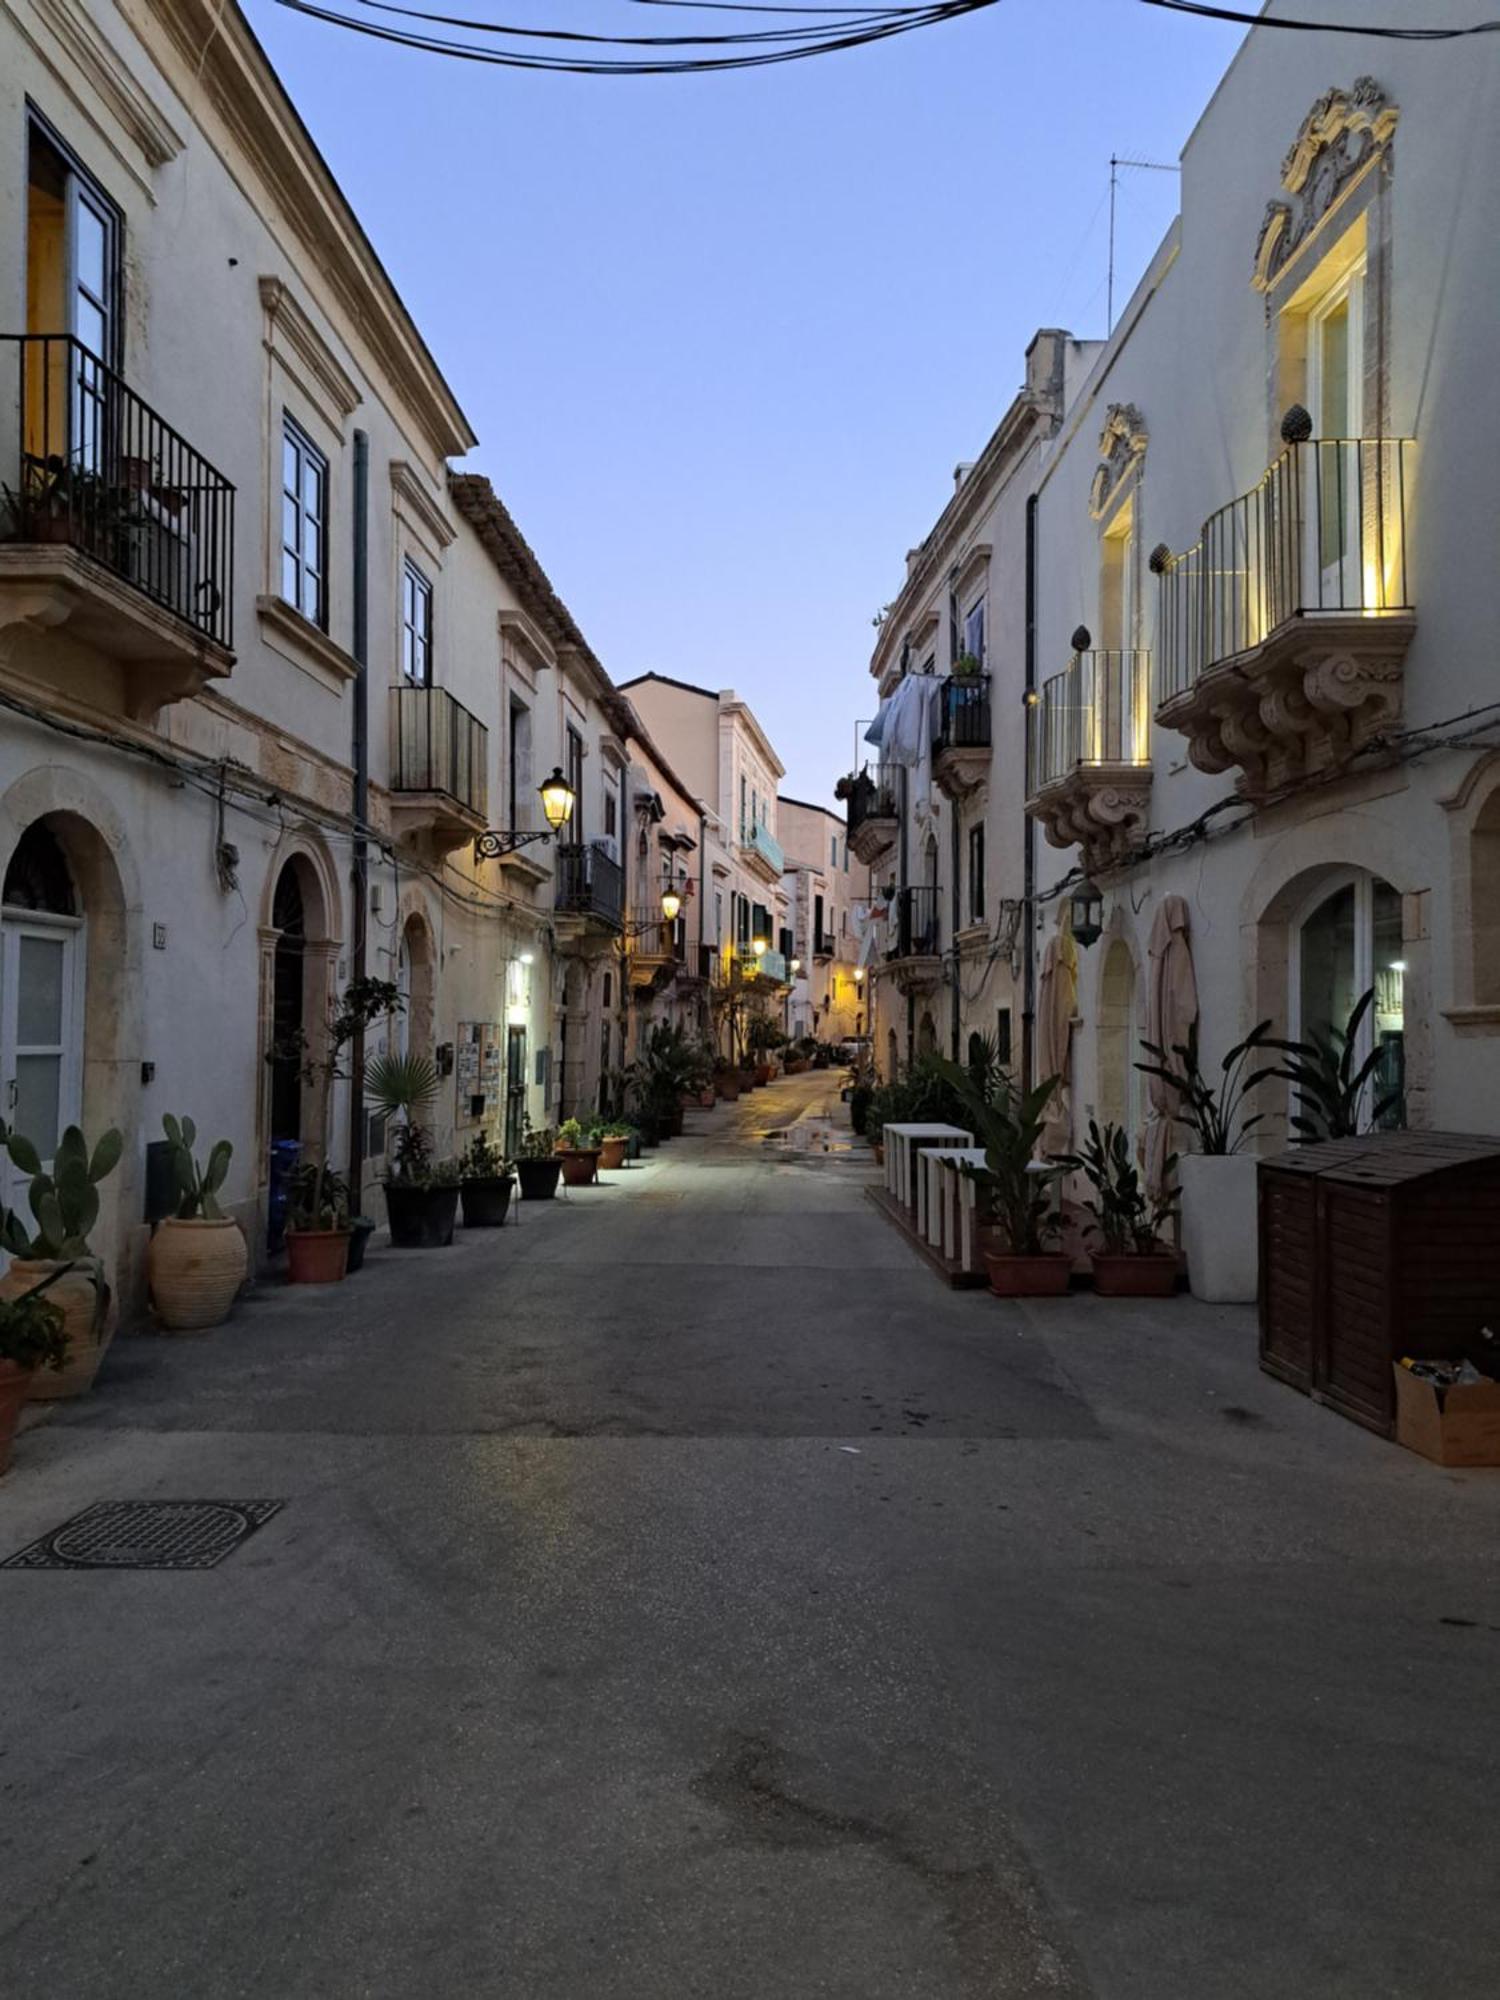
558	801
671	902
859	975
1086	905
760	946
796	966
558	798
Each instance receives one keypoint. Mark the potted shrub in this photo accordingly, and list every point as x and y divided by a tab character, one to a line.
614	1144
485	1184
421	1195
967	667
65	1206
1133	1261
579	1156
538	1163
197	1259
1217	1179
1336	1100
318	1228
1016	1185
726	1081
32	1338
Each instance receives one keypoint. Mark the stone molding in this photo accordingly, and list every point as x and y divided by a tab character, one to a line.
1102	809
290	333
1339	139
414	503
103	69
1122	445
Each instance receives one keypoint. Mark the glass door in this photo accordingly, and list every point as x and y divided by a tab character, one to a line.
1347	944
41	1034
1335	367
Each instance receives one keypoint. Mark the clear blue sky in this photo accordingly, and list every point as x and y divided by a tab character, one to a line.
723	338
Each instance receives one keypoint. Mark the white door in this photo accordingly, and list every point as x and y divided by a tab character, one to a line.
41	1033
1335	375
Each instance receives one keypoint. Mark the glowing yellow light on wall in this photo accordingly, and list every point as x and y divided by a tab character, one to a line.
671	903
558	799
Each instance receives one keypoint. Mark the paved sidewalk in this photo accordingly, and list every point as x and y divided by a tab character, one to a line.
685	1594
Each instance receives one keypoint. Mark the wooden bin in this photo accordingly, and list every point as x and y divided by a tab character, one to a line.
1373	1248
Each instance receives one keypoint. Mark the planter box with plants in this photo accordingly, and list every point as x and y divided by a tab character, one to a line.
197	1260
578	1154
421	1194
1018	1189
486	1183
538	1167
614	1145
32	1342
1132	1261
65	1206
671	1068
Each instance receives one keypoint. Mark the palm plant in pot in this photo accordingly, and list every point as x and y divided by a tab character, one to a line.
64	1204
578	1153
1016	1186
32	1339
1217	1178
421	1194
197	1259
538	1164
1133	1261
485	1184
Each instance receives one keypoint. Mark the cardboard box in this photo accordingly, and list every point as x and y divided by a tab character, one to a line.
1457	1426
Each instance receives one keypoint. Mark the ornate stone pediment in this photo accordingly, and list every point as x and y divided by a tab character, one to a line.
1122	444
1339	138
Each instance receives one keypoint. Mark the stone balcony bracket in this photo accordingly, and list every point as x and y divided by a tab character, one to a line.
1102	809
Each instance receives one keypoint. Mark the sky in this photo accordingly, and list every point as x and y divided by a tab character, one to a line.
724	338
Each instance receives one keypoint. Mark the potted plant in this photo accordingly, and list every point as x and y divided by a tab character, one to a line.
197	1259
726	1081
65	1206
485	1184
1335	1099
967	667
318	1228
538	1163
421	1195
1133	1262
1217	1179
614	1144
579	1156
32	1338
1016	1185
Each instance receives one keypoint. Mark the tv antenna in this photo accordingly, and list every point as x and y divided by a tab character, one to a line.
1116	161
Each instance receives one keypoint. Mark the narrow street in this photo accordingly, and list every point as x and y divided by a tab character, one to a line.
681	1593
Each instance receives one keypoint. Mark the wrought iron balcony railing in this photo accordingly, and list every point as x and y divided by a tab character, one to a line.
1324	531
825	945
89	465
963	717
1097	711
760	840
656	936
914	931
438	746
590	882
872	796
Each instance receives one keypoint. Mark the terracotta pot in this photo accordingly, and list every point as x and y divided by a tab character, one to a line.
15	1387
316	1256
748	1079
762	1075
89	1315
728	1088
706	1099
538	1178
196	1267
1042	1277
580	1165
612	1153
1153	1276
486	1203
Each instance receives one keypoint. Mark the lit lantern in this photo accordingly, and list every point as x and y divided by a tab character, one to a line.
671	903
1087	907
558	799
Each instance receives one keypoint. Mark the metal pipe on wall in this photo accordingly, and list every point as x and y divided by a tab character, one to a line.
360	872
1028	877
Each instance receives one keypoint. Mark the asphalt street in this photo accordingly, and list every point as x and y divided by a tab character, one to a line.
682	1593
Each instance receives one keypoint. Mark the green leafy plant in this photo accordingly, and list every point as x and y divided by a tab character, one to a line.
64	1202
538	1142
1017	1188
967	667
317	1197
1216	1112
197	1187
1128	1219
572	1134
1335	1099
363	1002
402	1086
31	1328
483	1161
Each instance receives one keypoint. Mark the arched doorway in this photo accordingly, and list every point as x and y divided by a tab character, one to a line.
289	976
1117	1038
413	1028
1346	942
42	991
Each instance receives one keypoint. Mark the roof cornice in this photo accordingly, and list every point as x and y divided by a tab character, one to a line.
223	58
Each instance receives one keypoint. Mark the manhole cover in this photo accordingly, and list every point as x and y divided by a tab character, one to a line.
148	1534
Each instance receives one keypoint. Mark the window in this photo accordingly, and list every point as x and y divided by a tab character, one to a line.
1346	943
1002	1035
520	797
1117	581
718	916
73	240
976	874
573	772
416	625
846	857
744	791
833	851
304	524
611	813
818	932
974	631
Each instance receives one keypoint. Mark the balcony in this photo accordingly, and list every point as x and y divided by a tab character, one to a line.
961	746
768	968
762	851
1088	755
590	894
112	526
874	819
439	769
657	947
1285	629
825	945
913	946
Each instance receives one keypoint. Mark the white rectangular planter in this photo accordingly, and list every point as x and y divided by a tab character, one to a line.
1219	1226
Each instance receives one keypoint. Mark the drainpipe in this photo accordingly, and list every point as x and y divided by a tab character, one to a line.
953	820
361	759
1028	893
